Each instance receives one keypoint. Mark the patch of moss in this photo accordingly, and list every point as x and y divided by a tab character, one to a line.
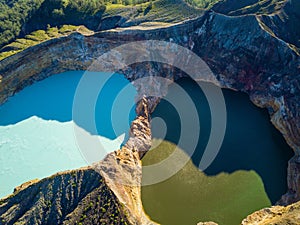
67	29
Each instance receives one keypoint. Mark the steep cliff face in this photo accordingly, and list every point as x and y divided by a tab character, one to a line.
260	65
238	50
282	23
242	55
293	179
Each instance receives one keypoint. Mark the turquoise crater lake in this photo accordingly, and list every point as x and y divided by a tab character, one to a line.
37	125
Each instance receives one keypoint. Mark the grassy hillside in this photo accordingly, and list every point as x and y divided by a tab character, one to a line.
238	7
12	15
21	17
203	4
39	36
169	11
31	23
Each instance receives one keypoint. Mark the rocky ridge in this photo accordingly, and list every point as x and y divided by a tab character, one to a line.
71	197
288	215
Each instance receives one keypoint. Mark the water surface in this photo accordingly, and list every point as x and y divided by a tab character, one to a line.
190	196
252	148
37	126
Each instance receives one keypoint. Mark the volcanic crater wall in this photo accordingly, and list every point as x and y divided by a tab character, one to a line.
241	53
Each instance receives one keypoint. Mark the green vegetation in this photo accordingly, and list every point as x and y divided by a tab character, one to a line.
166	11
37	37
48	203
171	11
13	14
24	23
20	17
125	2
237	7
203	4
190	196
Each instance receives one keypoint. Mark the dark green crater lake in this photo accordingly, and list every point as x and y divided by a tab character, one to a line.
248	173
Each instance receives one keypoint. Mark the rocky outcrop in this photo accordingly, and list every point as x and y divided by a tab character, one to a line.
241	54
282	23
289	215
123	169
293	179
